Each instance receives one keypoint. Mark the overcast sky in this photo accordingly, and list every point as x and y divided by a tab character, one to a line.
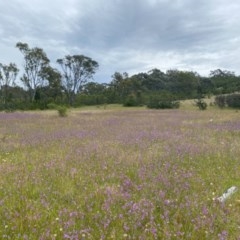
126	35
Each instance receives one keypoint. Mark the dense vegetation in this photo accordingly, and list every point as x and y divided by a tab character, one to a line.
41	85
229	100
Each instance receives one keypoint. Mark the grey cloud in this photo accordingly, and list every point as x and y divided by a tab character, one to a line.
166	25
124	35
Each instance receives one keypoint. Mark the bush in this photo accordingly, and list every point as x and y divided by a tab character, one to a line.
62	111
52	106
233	100
220	101
201	104
159	103
131	101
7	107
90	100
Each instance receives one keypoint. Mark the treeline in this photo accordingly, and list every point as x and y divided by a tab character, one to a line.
42	86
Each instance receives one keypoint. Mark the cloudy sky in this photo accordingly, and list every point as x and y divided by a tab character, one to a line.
126	35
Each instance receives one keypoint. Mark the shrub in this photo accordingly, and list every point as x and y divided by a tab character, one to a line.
159	103
7	107
52	106
201	104
233	100
62	111
220	101
130	101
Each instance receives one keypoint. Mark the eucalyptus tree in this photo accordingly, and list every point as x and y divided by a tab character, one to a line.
35	62
183	84
156	80
119	86
224	81
77	70
8	74
52	91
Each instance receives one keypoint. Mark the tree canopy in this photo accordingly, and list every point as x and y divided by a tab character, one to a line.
72	84
77	70
35	62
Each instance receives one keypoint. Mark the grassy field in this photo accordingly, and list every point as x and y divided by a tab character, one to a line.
116	173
